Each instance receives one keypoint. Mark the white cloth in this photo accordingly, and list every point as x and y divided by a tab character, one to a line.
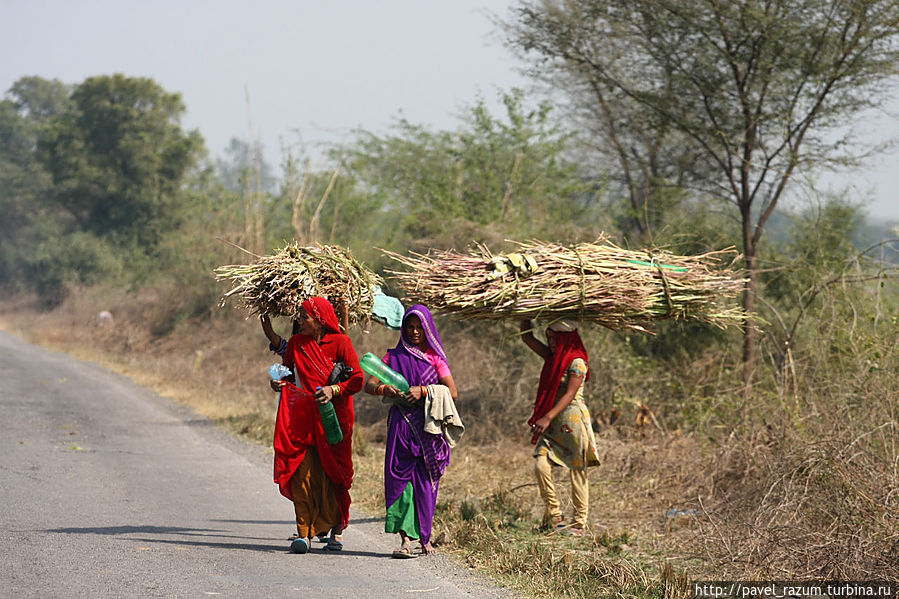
441	416
564	326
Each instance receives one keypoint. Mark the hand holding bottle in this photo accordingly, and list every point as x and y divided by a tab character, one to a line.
374	366
324	394
415	394
391	391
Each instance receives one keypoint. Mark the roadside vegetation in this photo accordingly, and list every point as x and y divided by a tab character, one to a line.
764	453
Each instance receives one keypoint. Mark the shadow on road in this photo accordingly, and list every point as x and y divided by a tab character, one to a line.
173	530
282	548
284	522
209	533
292	523
127	530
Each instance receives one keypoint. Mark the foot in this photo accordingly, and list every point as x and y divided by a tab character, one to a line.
404	552
576	530
335	543
552	523
427	549
300	545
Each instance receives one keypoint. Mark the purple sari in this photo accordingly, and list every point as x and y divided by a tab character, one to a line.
412	454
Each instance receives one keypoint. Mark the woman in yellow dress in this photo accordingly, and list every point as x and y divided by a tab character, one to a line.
561	424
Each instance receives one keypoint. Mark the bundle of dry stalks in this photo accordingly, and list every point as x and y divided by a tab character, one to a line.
596	282
278	284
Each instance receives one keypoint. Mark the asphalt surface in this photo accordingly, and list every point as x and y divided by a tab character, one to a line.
107	490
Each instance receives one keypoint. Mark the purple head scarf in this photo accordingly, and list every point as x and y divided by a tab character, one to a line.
409	360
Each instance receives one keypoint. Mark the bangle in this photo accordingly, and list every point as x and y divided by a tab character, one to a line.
335	389
424	391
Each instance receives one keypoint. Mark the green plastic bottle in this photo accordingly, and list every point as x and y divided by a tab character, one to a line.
329	422
373	365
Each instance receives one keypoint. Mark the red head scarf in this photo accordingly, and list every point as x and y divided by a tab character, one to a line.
568	347
322	312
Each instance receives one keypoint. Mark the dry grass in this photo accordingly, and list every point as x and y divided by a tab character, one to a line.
277	284
489	511
597	282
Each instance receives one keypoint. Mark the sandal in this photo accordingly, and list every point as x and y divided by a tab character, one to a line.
300	545
334	543
576	531
553	524
404	553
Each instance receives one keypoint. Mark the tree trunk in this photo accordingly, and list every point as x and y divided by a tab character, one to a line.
749	252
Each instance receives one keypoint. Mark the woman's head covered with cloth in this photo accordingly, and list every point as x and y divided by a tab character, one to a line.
565	345
320	310
419	333
311	365
563	326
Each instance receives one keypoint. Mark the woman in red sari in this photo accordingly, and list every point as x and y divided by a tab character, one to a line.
313	474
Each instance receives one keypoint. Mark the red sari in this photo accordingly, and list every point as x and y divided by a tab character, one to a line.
568	347
298	425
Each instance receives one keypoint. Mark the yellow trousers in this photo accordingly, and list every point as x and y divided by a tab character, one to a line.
580	492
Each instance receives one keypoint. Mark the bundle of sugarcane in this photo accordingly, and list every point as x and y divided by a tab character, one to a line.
596	282
278	284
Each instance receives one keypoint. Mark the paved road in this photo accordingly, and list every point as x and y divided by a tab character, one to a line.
107	490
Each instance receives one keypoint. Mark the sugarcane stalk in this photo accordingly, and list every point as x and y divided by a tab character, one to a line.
277	284
598	282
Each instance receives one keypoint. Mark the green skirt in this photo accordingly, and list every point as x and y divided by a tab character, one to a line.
401	516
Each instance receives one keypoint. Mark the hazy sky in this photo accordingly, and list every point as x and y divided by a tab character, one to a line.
314	69
319	68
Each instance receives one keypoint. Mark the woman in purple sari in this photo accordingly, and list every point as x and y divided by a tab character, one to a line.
415	459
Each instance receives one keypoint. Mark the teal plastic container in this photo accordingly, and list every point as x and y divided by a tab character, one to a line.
373	365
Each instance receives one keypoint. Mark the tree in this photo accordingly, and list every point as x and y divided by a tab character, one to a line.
820	243
246	173
326	204
240	158
753	89
118	159
18	175
506	173
24	183
38	99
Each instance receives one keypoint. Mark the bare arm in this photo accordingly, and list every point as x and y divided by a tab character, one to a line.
287	360
451	385
373	386
273	337
527	335
574	383
343	314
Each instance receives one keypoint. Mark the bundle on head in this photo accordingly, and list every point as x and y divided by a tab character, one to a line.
278	284
595	282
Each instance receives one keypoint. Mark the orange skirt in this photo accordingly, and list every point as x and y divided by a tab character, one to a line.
316	507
